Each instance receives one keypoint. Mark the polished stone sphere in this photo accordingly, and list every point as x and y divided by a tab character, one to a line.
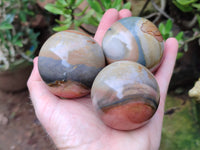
69	62
125	95
135	39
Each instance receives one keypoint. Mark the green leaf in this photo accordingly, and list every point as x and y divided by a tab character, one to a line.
179	36
77	3
2	39
127	6
81	13
180	39
77	23
53	9
71	2
87	19
183	8
92	21
58	5
168	26
95	5
106	3
22	16
67	16
165	29
117	4
8	35
26	11
197	6
66	21
98	17
16	37
18	43
186	2
161	28
166	36
179	55
62	2
62	28
5	25
67	11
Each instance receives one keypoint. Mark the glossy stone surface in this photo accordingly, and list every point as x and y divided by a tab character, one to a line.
135	39
125	95
69	62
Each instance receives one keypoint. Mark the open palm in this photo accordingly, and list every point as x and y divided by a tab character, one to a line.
73	124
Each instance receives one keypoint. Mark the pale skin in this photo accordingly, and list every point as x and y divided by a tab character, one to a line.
74	125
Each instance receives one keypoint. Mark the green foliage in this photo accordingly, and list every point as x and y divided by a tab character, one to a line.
166	31
66	9
186	5
197	6
16	33
191	6
103	5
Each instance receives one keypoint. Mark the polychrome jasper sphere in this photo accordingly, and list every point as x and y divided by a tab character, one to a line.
69	62
125	95
135	39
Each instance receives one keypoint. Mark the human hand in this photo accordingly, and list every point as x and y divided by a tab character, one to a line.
73	124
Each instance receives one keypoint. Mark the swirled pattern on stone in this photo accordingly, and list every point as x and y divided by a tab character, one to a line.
69	62
135	39
125	95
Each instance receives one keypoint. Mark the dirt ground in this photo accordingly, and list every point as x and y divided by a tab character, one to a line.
19	127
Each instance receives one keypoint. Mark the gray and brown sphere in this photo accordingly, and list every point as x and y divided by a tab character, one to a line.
69	62
136	39
125	95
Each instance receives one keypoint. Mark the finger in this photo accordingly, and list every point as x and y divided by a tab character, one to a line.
40	95
165	71
124	13
107	20
35	76
163	76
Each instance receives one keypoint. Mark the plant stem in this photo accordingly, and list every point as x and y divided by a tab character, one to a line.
161	11
192	38
190	23
143	8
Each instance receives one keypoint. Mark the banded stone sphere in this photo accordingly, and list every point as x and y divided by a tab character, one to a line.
135	39
125	95
69	62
